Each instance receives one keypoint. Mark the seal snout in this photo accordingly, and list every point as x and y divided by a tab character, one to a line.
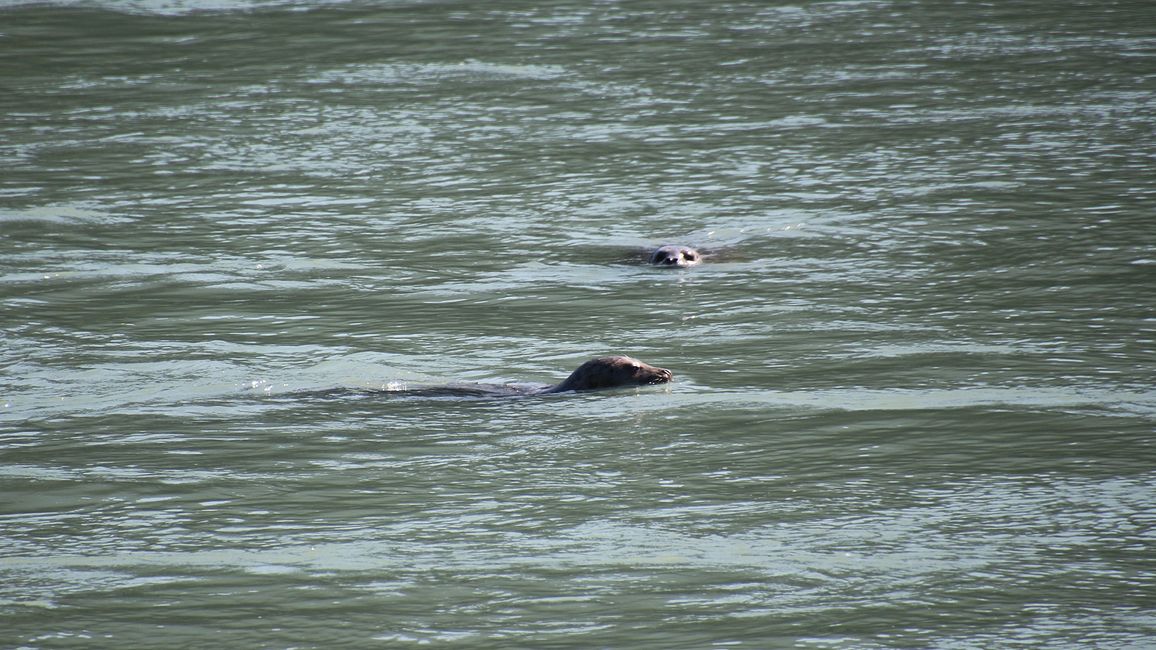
661	376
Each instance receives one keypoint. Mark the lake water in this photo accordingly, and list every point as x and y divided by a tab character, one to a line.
913	402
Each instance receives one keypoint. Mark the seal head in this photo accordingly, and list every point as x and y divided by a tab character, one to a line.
612	372
675	256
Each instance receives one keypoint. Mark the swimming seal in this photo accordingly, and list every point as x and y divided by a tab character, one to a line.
599	373
673	255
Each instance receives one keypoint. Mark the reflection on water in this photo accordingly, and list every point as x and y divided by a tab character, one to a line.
913	401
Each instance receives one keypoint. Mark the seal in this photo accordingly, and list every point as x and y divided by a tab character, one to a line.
611	372
675	256
599	373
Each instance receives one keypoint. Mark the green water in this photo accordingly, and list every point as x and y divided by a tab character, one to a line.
913	402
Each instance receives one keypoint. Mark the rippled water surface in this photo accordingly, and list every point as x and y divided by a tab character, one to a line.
913	402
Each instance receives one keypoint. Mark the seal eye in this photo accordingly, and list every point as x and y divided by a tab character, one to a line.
690	256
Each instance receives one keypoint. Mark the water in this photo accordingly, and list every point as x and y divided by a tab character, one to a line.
913	404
